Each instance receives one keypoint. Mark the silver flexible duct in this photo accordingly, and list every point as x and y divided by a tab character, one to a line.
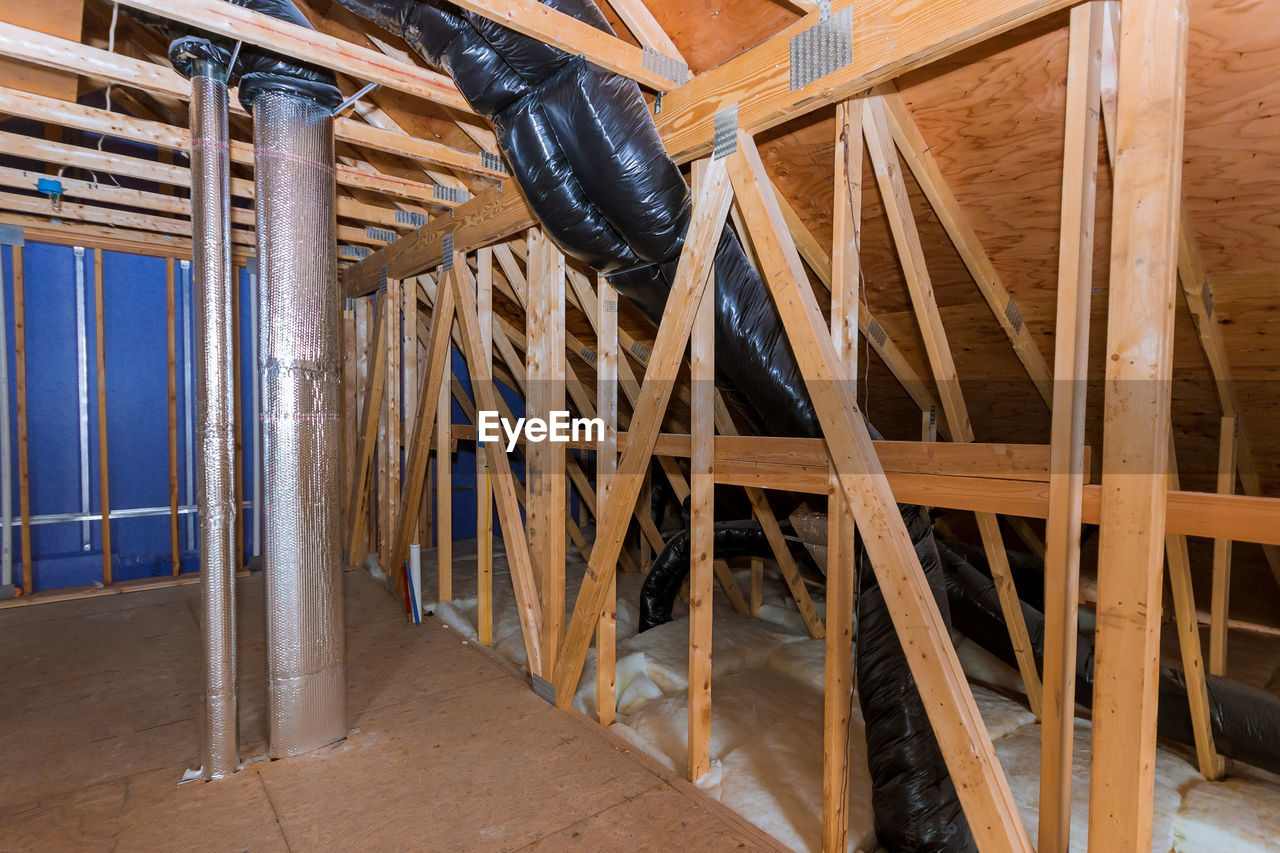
299	358
215	414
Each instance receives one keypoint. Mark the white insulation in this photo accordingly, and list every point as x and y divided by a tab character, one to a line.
766	724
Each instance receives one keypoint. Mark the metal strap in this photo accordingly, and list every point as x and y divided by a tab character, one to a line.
383	234
450	194
825	47
408	217
1013	315
544	689
446	251
726	132
357	252
876	333
493	162
671	67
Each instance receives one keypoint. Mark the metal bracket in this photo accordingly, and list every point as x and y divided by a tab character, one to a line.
450	194
383	234
673	68
493	162
251	264
1206	296
409	217
357	252
725	141
446	252
876	333
11	235
544	689
1013	315
382	281
823	48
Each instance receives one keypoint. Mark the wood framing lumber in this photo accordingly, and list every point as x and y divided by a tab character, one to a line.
919	159
983	790
846	278
63	233
711	209
897	203
287	39
484	489
1193	666
892	37
100	349
1221	596
545	508
20	381
701	524
444	485
606	465
389	482
575	37
640	21
367	438
1147	191
1068	404
171	376
519	559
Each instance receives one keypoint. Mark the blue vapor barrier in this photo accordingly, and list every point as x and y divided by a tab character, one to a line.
63	456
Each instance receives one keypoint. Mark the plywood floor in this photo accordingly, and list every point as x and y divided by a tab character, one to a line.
451	751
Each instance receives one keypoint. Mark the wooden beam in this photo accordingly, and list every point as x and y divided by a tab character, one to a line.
893	193
367	438
1068	402
444	486
100	346
20	380
983	790
640	21
389	485
288	39
711	209
519	561
545	461
575	37
702	343
1221	598
606	467
846	279
1147	181
919	157
171	372
484	490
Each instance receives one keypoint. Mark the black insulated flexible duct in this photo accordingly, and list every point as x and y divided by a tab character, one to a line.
582	145
1245	720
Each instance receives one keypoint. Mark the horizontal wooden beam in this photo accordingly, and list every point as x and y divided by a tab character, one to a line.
281	37
61	233
889	38
575	37
14	203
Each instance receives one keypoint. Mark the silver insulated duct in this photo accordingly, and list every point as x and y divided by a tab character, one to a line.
299	362
215	410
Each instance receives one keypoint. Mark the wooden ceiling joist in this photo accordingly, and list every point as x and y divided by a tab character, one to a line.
235	22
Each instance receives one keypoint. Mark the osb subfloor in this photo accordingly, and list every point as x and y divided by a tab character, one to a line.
450	750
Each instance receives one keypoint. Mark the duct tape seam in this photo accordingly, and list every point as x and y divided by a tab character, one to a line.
725	141
1013	315
11	235
825	47
671	67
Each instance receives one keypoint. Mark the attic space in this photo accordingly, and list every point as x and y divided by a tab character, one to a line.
512	425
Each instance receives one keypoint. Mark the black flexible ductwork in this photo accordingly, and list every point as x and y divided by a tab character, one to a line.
730	539
1245	720
582	145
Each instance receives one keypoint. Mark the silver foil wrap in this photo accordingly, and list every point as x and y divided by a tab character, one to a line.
299	359
215	419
